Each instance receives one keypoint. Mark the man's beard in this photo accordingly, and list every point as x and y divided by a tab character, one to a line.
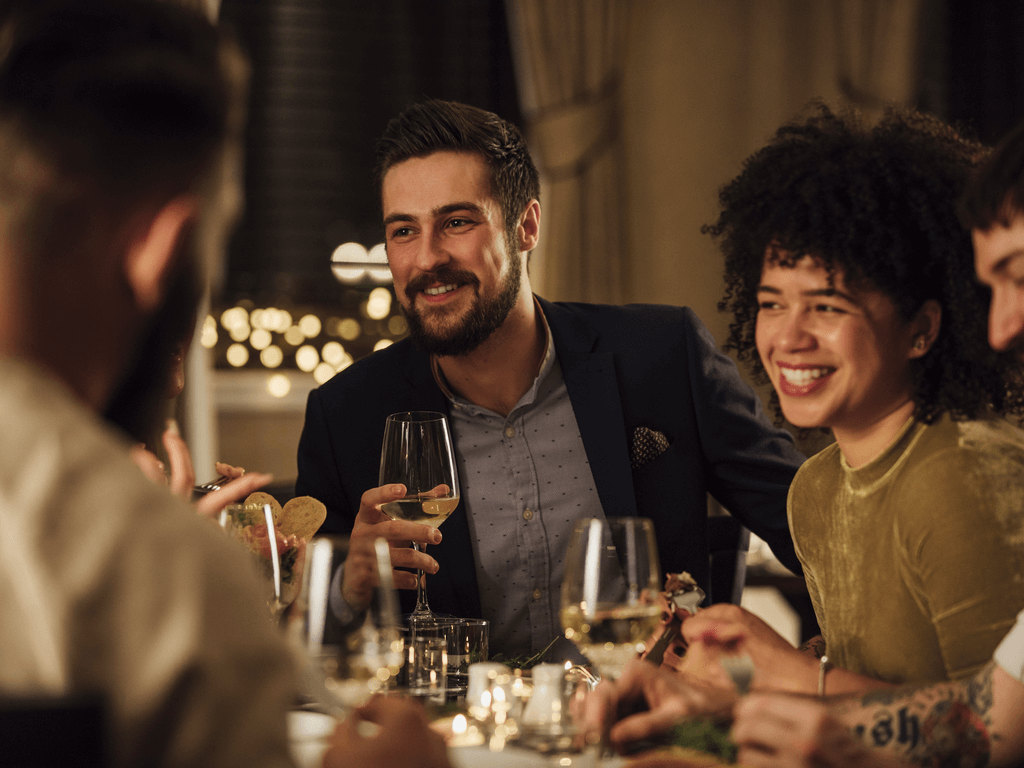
140	396
484	317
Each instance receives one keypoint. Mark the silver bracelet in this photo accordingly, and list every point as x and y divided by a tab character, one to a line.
822	669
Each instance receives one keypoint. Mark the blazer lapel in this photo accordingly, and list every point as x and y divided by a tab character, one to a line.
593	388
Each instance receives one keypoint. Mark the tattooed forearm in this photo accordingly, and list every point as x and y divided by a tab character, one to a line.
946	724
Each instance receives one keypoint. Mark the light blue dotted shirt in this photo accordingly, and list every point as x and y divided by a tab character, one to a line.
525	480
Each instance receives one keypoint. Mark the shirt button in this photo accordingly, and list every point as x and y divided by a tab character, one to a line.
510	432
536	594
528	514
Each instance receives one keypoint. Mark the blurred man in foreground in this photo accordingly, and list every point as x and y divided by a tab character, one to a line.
120	123
973	722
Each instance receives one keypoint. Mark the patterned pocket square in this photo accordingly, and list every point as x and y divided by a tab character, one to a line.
647	446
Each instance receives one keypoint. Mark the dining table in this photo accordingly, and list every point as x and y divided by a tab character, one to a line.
309	732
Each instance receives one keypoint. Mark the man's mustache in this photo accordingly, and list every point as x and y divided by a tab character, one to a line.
443	276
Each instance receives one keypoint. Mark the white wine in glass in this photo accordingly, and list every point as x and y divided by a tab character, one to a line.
417	452
610	590
421	509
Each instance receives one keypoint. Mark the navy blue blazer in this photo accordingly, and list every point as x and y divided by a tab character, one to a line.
624	367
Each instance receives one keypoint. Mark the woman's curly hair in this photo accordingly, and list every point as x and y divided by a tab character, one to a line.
877	205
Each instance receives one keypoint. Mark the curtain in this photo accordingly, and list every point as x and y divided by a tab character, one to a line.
569	58
706	84
876	44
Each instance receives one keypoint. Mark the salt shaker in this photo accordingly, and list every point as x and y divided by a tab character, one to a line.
545	706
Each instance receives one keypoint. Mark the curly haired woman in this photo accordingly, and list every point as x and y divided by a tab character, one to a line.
852	289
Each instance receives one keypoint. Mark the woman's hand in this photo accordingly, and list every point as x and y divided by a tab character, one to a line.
669	696
182	476
232	492
725	629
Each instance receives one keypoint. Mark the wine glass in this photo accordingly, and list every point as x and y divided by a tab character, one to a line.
345	666
417	453
610	590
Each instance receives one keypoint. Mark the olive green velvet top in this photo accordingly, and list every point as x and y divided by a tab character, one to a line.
915	561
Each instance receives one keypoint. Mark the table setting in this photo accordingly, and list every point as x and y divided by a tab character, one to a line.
613	608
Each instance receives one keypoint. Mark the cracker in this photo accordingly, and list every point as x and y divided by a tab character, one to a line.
302	516
260	498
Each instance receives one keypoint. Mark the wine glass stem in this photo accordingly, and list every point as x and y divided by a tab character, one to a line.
422	608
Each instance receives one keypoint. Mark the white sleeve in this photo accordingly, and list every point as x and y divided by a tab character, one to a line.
1010	653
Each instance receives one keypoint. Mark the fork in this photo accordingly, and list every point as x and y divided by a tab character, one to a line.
213	485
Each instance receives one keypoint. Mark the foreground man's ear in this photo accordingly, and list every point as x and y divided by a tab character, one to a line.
151	254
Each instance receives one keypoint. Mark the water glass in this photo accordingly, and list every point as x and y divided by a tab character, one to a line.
428	668
428	662
476	641
468	644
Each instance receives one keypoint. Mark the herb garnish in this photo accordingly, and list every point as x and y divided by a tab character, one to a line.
705	735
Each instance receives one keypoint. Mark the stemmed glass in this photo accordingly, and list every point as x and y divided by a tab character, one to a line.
344	667
417	453
610	590
279	558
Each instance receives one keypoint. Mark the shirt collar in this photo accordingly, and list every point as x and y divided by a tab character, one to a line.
546	365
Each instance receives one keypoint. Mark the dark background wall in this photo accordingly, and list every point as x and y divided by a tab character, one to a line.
984	54
327	76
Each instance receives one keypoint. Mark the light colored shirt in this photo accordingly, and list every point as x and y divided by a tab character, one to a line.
1010	653
110	585
525	480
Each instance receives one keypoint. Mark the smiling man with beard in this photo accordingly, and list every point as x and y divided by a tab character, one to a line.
558	410
484	317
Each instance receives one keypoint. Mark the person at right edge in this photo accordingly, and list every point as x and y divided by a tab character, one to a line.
976	720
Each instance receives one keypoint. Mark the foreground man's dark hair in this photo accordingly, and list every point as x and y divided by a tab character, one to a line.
108	110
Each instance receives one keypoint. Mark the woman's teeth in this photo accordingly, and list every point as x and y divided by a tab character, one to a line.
801	377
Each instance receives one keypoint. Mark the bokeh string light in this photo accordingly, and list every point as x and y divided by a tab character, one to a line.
289	342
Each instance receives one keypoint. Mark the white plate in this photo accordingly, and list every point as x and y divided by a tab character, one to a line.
516	757
304	726
308	734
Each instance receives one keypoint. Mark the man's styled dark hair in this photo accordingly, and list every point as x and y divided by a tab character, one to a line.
878	206
109	109
448	126
995	193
